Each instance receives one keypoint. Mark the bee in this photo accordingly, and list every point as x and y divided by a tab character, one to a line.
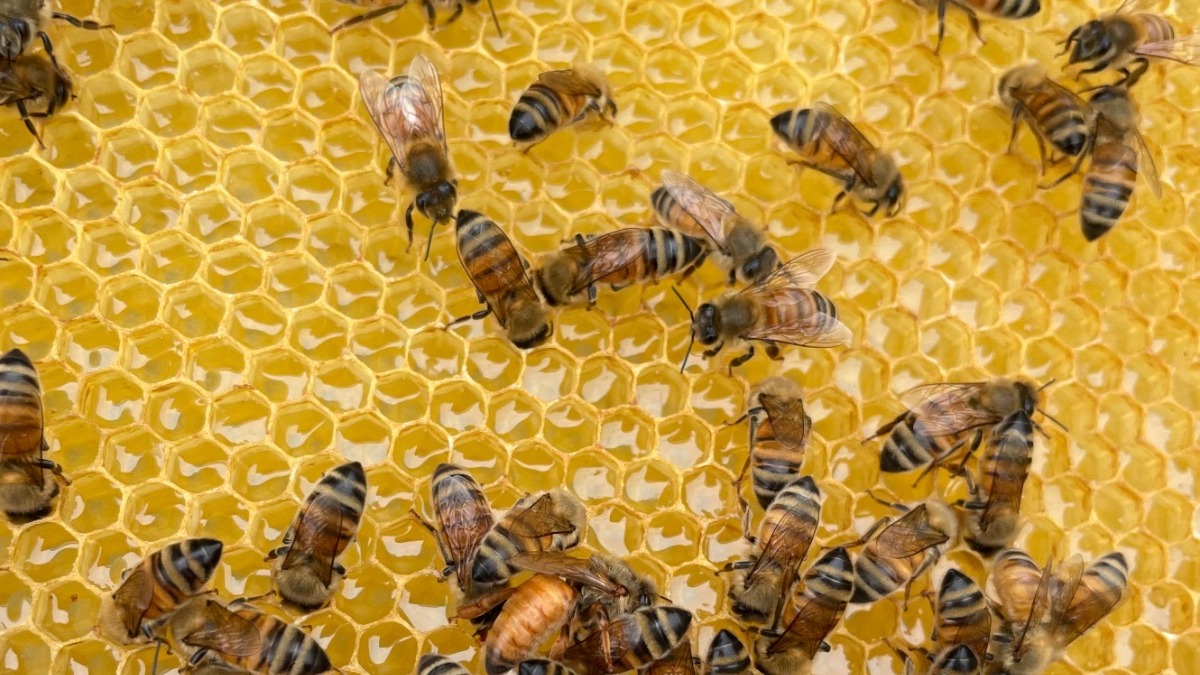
559	99
1004	9
631	641
678	662
23	20
548	521
993	515
1054	114
815	612
897	552
305	568
937	411
407	110
691	208
607	586
498	273
786	532
958	660
436	664
830	143
37	87
963	626
156	586
781	309
619	259
1125	39
727	654
535	610
543	667
29	483
779	431
204	632
378	8
463	518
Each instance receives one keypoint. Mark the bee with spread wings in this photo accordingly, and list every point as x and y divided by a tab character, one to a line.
1126	40
407	110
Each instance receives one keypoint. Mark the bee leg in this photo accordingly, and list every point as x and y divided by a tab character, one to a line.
739	565
941	19
773	352
741	359
51	466
86	24
29	123
891	505
373	14
709	353
437	537
866	536
924	567
429	243
1069	42
408	223
470	317
431	14
390	173
591	295
874	210
458	11
973	19
49	49
1134	71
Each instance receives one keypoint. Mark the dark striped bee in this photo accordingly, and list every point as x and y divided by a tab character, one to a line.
1004	9
559	99
607	586
38	88
407	110
781	309
156	586
689	207
498	273
784	536
305	568
993	514
830	143
436	664
897	552
631	641
815	611
619	259
23	20
727	654
378	8
958	660
963	626
547	521
779	431
463	517
543	667
679	662
29	483
205	633
1125	39
1054	114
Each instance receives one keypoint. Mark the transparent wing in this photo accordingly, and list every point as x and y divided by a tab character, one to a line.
1037	608
1093	597
813	621
909	535
607	254
227	633
1185	50
578	570
405	109
943	409
316	534
539	520
788	420
569	82
800	273
847	141
424	109
1150	170
817	330
709	210
133	597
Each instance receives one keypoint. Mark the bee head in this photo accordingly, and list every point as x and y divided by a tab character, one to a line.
1090	40
894	194
707	326
438	203
762	264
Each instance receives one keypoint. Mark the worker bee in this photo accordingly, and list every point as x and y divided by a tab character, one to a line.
23	20
463	518
781	309
407	110
559	99
786	532
37	87
993	514
619	259
305	568
727	654
678	662
688	206
607	586
938	411
543	667
1016	584
815	611
1054	114
1125	39
779	431
1004	9
631	641
958	660
830	143
898	552
204	632
156	586
29	483
378	8
548	521
436	664
963	625
498	273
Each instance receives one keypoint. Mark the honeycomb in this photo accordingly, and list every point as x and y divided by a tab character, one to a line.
211	275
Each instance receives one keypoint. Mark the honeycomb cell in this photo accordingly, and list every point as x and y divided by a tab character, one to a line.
67	290
220	515
240	417
650	485
295	280
388	648
169	112
48	550
148	60
112	399
92	504
153	511
311	186
363	437
259	473
256	321
235	268
25	651
198	465
615	529
66	611
303	428
69	142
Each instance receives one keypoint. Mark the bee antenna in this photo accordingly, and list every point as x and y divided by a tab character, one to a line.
691	329
1047	385
154	664
495	19
1051	418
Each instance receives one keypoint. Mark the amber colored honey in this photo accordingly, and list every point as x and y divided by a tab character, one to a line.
213	279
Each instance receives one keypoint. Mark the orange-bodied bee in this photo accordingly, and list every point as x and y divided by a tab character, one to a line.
534	611
784	535
205	633
378	8
156	586
619	259
993	514
781	309
548	521
897	552
1054	113
407	110
305	568
815	611
557	100
1004	9
830	143
29	483
463	518
37	88
963	626
779	431
436	664
498	273
1126	40
631	641
607	586
687	206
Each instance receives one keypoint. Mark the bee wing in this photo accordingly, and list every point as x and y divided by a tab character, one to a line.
578	570
603	256
818	329
226	632
788	420
569	82
942	409
1151	169
909	535
678	662
409	110
485	604
709	210
779	547
616	640
1185	50
800	273
1091	600
1037	607
850	144
14	88
539	520
133	598
309	535
812	623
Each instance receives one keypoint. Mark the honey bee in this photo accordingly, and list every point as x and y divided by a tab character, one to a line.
631	641
543	667
155	587
559	99
781	309
679	662
993	515
548	521
305	568
897	552
23	20
436	664
1125	39
963	626
1004	9
830	143
786	532
378	8
463	518
535	610
407	110
29	483
619	259
728	655
1018	585
205	633
815	611
958	660
607	586
498	273
37	87
1055	114
779	431
937	411
691	208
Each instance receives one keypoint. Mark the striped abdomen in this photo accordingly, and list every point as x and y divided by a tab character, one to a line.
653	633
963	616
908	447
1107	187
812	134
20	406
492	263
728	655
541	111
463	514
436	664
1058	117
1005	466
543	667
828	587
341	496
793	516
797	305
1154	28
673	215
772	464
876	575
662	252
1008	9
179	572
285	648
538	608
491	568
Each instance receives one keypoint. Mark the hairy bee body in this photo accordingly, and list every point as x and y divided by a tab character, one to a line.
1055	114
463	519
631	640
779	430
1115	41
537	609
557	100
29	483
814	612
728	654
543	667
436	664
1109	182
993	514
902	550
963	625
548	521
1004	9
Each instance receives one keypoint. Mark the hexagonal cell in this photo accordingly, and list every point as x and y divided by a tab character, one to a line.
90	345
217	364
67	290
240	417
169	112
280	374
176	411
112	399
198	465
128	154
66	611
256	321
148	60
274	226
259	473
303	428
193	310
233	268
419	448
25	651
363	437
379	344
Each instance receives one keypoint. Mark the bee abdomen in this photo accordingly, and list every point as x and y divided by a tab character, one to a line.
906	448
670	251
832	577
1157	28
183	568
537	114
873	580
436	664
1106	192
659	630
491	561
290	650
771	473
1011	9
727	654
